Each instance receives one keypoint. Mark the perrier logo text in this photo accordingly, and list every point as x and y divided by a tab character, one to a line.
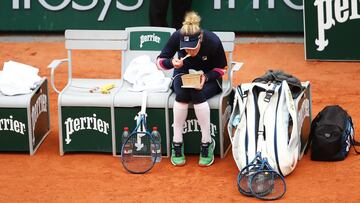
149	38
39	107
331	11
85	123
10	124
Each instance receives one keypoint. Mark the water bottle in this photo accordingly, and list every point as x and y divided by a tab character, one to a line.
157	138
128	146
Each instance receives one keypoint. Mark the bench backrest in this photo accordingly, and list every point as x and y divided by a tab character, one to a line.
96	39
133	42
93	40
145	41
228	41
151	40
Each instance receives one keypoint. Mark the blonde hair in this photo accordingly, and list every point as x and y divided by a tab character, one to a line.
191	24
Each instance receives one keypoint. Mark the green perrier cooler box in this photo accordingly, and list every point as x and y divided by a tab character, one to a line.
24	120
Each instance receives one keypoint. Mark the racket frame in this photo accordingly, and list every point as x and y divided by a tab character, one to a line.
265	195
257	166
152	141
140	123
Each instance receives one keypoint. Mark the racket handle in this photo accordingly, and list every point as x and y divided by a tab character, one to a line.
143	104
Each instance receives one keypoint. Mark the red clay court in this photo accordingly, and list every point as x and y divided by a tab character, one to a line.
91	177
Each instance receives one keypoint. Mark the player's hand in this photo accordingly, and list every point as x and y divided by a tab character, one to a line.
202	82
177	63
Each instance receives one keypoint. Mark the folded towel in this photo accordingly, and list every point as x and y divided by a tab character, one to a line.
17	78
143	74
163	87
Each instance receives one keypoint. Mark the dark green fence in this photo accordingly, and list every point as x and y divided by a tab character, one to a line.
226	15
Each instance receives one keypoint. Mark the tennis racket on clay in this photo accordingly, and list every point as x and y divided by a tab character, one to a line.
266	183
260	180
245	175
138	153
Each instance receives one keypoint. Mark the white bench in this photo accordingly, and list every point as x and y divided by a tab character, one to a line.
85	118
78	108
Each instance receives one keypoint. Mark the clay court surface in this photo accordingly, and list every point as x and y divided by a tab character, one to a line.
49	177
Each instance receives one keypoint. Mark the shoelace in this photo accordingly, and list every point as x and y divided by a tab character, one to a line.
177	149
205	150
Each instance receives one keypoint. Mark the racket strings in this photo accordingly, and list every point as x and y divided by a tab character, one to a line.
262	183
244	179
258	179
245	174
137	154
268	185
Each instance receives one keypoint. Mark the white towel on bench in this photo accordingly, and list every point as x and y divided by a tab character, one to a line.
17	78
143	74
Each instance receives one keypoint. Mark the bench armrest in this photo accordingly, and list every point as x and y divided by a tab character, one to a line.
53	65
235	66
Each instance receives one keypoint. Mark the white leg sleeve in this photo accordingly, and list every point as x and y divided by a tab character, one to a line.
180	111
202	112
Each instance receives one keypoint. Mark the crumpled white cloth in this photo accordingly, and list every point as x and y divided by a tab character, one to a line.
143	74
17	78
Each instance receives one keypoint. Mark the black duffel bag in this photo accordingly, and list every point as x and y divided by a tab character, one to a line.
332	135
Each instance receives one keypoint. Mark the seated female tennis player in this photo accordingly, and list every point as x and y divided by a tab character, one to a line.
206	53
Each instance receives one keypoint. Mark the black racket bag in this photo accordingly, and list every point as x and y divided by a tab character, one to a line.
332	134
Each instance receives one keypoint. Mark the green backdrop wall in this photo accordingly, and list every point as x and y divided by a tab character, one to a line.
226	15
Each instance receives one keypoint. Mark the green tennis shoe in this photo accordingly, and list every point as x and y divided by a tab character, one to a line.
177	154
207	153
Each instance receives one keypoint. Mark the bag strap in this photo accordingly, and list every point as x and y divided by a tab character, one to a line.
265	101
352	136
292	145
240	98
355	143
291	107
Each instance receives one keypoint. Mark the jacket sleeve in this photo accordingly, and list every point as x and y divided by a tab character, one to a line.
219	63
167	53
